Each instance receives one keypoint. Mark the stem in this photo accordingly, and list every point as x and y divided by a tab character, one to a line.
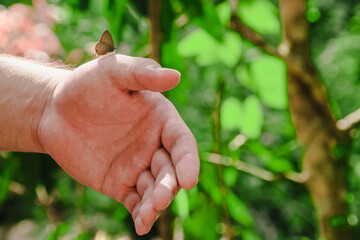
256	171
349	122
164	224
216	119
154	9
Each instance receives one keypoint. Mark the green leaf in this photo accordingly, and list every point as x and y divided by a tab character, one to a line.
99	6
270	76
261	15
243	75
84	236
209	20
207	50
198	44
249	235
268	158
229	51
96	199
182	204
279	165
230	176
237	209
223	10
61	229
231	114
338	221
313	14
203	222
120	213
252	117
209	181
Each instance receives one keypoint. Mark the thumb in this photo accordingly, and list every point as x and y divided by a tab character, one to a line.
134	73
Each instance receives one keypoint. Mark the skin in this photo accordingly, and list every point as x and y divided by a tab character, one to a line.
107	125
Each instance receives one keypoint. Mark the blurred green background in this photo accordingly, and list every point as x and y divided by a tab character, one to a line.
232	95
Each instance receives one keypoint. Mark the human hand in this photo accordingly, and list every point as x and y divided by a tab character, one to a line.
108	126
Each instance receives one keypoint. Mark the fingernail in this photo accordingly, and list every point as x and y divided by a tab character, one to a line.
161	69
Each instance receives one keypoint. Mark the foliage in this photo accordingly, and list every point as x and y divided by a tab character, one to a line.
254	126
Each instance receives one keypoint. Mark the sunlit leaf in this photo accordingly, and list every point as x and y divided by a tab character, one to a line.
198	44
207	50
223	10
182	204
243	75
229	51
270	76
252	117
231	114
262	15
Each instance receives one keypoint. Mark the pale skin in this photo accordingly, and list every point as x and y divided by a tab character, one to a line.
106	124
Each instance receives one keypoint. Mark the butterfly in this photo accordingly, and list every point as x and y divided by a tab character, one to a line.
105	44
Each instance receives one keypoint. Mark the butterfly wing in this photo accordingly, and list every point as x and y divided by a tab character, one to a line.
107	38
105	44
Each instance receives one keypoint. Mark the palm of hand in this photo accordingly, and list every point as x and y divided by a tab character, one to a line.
128	144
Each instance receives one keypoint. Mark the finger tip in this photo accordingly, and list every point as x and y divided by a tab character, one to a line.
177	75
148	215
168	78
188	171
140	228
189	184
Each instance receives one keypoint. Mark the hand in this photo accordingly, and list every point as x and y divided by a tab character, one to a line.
108	126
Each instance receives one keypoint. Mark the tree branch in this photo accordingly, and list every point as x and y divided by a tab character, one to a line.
349	122
250	34
256	171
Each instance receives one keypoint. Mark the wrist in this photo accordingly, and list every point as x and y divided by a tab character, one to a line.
25	87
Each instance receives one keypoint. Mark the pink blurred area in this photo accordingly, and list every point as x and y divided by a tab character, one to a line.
27	31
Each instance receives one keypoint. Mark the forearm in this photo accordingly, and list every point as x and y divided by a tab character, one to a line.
24	90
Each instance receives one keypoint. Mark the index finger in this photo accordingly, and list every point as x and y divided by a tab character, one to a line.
181	144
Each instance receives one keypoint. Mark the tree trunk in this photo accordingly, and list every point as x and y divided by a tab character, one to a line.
315	125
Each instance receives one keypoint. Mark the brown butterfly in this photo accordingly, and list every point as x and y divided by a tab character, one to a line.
105	44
